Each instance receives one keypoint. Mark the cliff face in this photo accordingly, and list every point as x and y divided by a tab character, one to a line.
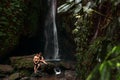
20	23
25	34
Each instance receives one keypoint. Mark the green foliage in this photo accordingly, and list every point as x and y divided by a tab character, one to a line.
96	34
109	69
11	23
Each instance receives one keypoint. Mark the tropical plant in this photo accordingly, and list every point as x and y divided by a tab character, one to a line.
109	69
96	34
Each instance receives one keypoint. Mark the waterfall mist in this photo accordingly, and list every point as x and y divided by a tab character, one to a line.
51	49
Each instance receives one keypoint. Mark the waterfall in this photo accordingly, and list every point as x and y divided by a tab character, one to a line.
51	49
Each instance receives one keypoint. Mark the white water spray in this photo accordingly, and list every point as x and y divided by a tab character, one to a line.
51	45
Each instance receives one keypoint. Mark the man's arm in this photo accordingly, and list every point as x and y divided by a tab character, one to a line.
43	60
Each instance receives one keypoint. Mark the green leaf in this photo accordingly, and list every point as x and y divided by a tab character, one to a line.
78	8
4	23
2	34
114	62
115	50
69	0
65	7
105	71
3	18
0	9
118	75
77	1
92	75
101	67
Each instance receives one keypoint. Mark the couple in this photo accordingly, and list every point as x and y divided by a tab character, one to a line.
38	61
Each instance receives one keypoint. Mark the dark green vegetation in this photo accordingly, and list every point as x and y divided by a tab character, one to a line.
19	21
96	33
12	13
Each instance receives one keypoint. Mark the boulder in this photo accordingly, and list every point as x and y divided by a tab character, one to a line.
25	78
22	62
14	76
6	68
68	65
26	62
70	75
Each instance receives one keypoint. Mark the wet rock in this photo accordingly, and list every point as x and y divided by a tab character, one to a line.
22	62
26	62
6	68
25	78
38	74
70	75
2	75
14	76
68	65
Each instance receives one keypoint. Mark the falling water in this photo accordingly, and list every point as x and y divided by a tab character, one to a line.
51	45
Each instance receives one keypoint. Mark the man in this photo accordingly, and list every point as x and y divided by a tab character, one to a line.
38	61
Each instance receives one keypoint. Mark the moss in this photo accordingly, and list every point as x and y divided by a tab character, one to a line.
25	72
20	63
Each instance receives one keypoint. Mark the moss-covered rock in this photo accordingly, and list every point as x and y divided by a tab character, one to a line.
25	66
22	62
14	76
6	69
